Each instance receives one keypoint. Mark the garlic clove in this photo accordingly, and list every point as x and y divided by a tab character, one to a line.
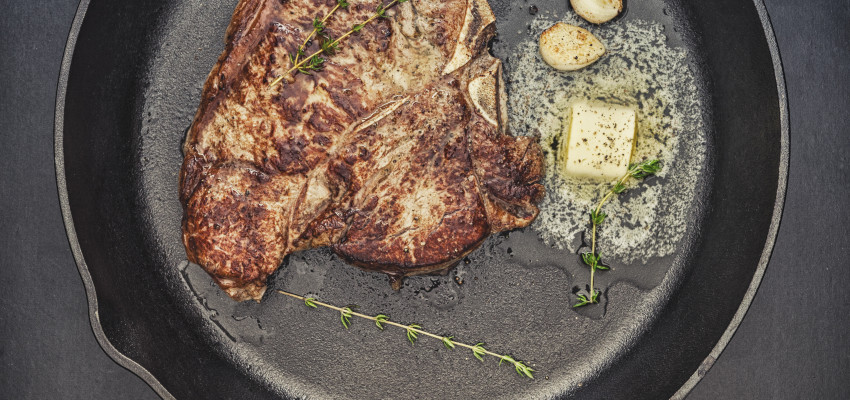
597	11
567	47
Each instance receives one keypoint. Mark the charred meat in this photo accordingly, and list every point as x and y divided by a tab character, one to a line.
395	155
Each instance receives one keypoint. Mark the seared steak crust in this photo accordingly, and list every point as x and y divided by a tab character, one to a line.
395	155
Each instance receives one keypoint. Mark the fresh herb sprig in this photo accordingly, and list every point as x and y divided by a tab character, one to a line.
592	258
413	331
318	29
330	45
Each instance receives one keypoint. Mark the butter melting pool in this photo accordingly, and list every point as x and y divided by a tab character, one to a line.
640	70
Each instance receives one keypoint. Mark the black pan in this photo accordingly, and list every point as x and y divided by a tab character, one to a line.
130	83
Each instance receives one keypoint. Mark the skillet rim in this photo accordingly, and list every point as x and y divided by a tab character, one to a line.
153	382
70	230
778	207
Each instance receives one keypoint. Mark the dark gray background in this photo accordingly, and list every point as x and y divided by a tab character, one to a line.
792	344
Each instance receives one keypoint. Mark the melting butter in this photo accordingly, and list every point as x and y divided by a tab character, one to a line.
640	71
598	141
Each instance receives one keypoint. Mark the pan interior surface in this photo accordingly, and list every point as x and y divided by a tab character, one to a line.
133	88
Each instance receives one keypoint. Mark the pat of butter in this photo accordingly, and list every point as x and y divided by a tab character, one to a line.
599	141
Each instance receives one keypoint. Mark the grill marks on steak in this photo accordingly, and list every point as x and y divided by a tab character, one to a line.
395	155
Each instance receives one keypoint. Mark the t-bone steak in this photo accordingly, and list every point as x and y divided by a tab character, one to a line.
395	154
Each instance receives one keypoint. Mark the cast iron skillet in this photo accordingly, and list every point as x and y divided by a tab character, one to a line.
129	86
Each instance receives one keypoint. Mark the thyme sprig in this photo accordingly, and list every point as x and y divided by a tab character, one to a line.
592	258
329	45
345	316
413	331
314	63
318	29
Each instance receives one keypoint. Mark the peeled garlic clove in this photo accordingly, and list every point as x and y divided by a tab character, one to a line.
567	47
597	11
